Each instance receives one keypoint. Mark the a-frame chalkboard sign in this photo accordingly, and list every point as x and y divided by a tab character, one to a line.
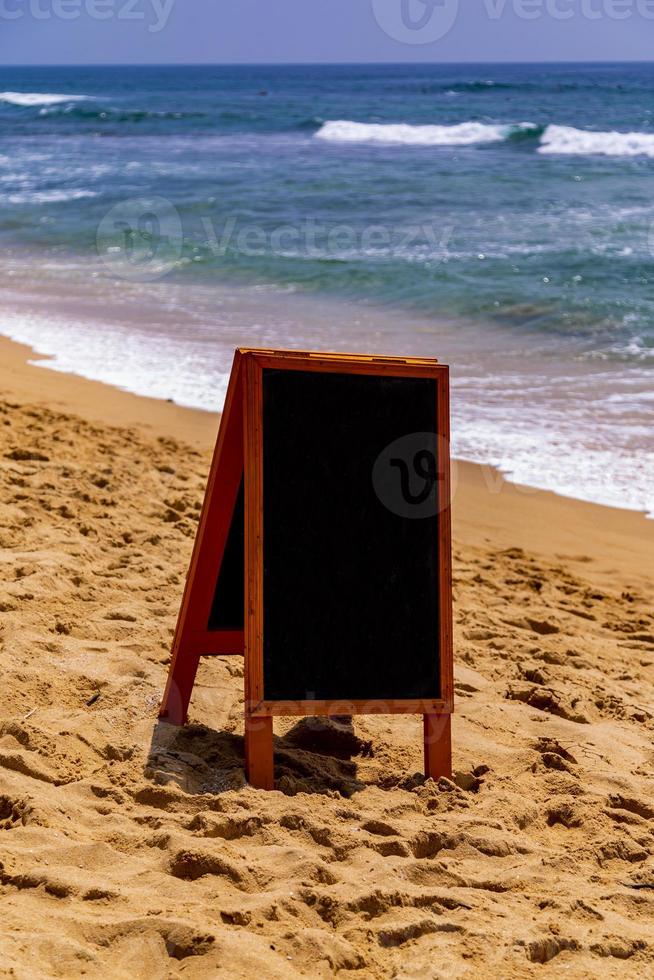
324	553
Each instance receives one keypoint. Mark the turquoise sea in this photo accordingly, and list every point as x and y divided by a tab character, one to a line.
498	217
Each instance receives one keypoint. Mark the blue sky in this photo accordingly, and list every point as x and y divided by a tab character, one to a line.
223	31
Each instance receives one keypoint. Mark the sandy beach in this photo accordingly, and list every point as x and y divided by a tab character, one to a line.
132	849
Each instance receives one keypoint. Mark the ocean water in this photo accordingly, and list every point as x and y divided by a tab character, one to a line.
498	217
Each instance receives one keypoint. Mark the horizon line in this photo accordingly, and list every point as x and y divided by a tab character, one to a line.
315	64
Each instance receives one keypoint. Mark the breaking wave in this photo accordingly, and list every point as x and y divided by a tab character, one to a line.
39	98
462	134
568	140
552	139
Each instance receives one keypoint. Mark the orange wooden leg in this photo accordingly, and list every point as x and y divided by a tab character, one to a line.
438	746
259	769
179	687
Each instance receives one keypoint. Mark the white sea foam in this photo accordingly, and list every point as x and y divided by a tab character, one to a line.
554	140
39	98
568	140
463	134
531	456
49	197
119	355
497	417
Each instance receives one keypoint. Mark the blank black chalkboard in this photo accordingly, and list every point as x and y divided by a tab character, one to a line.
350	585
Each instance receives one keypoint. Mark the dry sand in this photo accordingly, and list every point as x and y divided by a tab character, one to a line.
131	849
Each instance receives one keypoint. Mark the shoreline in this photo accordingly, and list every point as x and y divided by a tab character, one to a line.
558	421
30	379
486	506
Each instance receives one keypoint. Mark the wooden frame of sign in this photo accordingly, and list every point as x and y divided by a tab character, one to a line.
224	608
